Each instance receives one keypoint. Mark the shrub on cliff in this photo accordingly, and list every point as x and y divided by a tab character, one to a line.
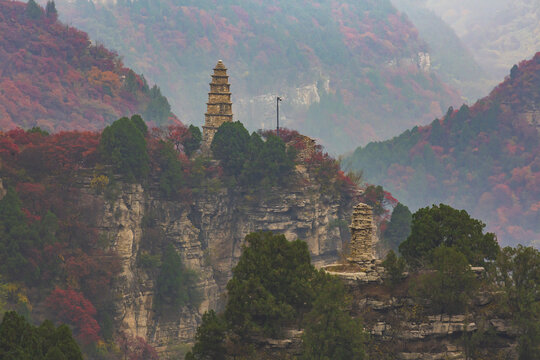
123	145
451	286
175	283
443	225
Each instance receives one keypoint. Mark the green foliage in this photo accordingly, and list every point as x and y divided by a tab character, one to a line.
37	130
149	261
33	10
193	142
399	227
231	146
445	226
158	109
274	285
140	124
249	159
270	286
21	340
394	268
269	162
16	238
517	272
451	286
330	333
171	177
210	339
123	145
175	284
50	10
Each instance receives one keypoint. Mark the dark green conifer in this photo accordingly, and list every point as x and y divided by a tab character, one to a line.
33	10
50	10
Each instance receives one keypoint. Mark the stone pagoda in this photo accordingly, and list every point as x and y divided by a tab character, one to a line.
362	265
219	105
362	233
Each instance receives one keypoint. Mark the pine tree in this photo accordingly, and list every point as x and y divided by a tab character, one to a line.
33	10
50	10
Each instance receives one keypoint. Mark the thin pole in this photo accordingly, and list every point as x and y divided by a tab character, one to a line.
278	99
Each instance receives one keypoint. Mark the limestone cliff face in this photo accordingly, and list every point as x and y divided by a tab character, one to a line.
208	233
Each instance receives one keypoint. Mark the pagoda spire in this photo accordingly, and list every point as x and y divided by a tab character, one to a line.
219	105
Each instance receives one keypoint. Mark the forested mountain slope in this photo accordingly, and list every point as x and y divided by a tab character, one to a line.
52	76
450	57
341	67
485	159
499	32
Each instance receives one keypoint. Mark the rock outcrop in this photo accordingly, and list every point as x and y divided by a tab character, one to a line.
402	329
208	233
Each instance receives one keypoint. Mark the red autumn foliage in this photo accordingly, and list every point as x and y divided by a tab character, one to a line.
73	308
135	348
53	77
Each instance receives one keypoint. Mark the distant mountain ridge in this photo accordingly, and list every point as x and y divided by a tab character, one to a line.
498	32
340	67
52	76
451	58
485	159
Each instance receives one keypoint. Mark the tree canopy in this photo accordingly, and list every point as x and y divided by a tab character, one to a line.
399	227
270	285
123	145
443	225
250	159
21	340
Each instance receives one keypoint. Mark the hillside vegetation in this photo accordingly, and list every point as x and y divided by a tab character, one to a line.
484	158
341	67
54	77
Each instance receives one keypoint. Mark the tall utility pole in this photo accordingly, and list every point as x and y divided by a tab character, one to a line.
278	99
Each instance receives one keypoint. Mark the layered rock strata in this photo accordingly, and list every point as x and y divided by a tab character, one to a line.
208	233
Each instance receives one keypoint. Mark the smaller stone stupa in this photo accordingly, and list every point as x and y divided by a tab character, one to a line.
362	266
362	233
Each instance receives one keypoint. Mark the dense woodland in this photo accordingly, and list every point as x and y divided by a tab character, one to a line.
51	258
367	50
483	158
54	77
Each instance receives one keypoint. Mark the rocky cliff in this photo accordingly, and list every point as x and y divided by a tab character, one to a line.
208	233
401	328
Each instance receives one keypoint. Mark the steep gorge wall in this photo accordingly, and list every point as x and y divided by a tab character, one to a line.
208	234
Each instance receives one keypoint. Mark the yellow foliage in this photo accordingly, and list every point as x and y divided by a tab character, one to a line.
16	293
99	182
98	78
